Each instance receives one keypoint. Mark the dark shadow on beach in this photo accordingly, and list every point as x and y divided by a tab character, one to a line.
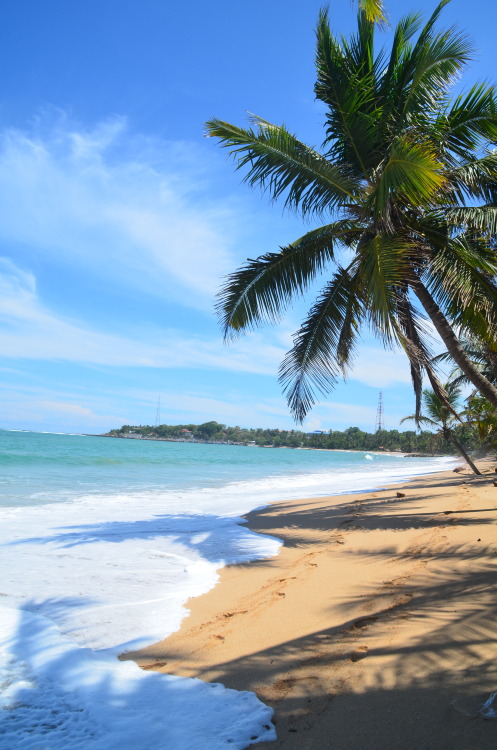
338	512
421	695
410	707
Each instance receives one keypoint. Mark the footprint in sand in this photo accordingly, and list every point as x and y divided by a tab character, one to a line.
363	622
227	615
404	599
359	653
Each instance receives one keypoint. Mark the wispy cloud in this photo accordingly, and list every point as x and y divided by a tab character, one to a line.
134	211
80	410
22	409
29	330
379	368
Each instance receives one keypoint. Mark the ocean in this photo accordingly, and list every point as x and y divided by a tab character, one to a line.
102	541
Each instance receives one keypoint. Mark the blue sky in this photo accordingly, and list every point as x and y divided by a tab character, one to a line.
118	218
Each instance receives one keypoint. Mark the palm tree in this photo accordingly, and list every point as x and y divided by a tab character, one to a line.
440	416
482	356
482	417
406	182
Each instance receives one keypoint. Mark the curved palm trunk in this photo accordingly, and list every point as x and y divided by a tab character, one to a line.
485	387
449	435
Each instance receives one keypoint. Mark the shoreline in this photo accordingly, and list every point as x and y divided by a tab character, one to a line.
377	613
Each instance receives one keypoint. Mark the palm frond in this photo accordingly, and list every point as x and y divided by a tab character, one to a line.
404	31
383	270
412	174
428	70
481	219
260	290
427	31
482	356
475	178
314	363
439	411
470	120
281	164
415	344
346	75
419	420
460	277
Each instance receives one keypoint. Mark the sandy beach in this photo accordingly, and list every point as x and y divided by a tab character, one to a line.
378	614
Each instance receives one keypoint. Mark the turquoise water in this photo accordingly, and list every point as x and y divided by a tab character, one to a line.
43	468
102	543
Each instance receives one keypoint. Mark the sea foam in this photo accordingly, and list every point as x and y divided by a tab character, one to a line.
56	696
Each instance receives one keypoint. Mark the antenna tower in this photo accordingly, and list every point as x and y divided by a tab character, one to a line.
380	424
157	415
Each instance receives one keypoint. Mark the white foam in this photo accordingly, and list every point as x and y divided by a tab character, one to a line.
117	575
56	696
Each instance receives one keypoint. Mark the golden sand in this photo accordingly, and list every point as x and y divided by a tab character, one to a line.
378	613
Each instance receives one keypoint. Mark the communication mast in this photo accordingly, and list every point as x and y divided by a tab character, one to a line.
157	415
380	424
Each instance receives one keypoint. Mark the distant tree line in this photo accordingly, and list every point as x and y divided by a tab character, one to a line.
353	438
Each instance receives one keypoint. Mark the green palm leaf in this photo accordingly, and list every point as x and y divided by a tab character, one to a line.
313	362
261	289
437	64
281	164
469	122
480	219
412	174
461	277
383	270
414	342
475	179
346	84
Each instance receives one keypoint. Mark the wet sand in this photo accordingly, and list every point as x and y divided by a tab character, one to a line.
378	613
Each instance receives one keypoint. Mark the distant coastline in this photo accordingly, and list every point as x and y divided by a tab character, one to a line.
289	447
408	443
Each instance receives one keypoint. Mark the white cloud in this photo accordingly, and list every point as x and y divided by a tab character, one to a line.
349	414
20	410
142	219
379	368
31	331
82	410
313	423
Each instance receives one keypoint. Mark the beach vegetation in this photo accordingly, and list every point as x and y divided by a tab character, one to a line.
482	417
443	417
404	189
482	355
424	442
